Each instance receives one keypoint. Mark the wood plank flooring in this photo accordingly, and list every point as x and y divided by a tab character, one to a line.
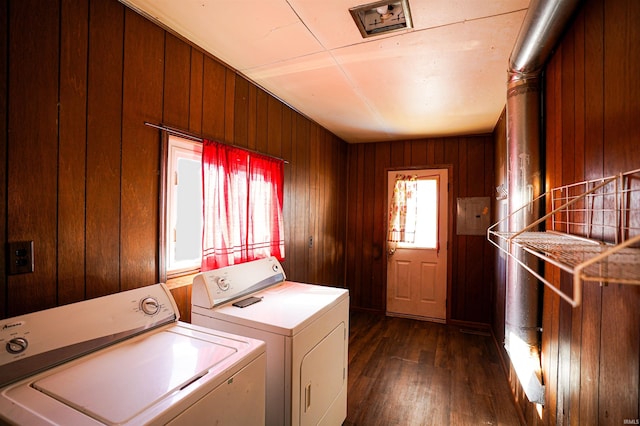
414	373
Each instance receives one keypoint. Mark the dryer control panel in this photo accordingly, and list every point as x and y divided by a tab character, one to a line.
219	286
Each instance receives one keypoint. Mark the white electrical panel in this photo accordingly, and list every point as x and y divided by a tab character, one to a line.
474	215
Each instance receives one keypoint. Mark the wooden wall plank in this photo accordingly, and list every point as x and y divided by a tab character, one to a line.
195	91
419	154
229	105
241	113
369	291
380	206
343	205
351	237
438	151
213	99
589	355
594	89
262	121
298	268
488	253
567	88
565	174
182	296
405	155
325	210
579	83
398	153
313	215
288	201
74	48
339	206
274	130
177	81
33	139
328	206
4	143
431	152
106	33
252	123
140	183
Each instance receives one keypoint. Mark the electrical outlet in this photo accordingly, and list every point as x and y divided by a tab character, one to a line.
310	242
20	257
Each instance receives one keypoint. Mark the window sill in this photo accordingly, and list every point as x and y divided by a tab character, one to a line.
181	281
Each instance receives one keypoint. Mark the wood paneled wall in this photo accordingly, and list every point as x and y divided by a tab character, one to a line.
470	275
80	78
591	354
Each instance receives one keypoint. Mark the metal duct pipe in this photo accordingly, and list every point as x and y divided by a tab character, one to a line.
542	27
525	180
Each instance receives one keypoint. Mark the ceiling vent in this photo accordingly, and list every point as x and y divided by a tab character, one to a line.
382	17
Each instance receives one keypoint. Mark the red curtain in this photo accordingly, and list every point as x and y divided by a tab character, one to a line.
243	198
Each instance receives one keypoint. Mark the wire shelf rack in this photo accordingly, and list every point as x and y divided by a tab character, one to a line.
593	232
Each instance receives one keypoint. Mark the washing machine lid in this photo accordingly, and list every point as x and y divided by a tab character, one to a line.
117	385
285	308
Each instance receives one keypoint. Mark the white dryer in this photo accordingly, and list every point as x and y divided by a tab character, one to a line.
305	327
125	359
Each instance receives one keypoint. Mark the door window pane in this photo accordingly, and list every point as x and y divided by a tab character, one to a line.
426	215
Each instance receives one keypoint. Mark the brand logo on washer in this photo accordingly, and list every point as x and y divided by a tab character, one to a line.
11	325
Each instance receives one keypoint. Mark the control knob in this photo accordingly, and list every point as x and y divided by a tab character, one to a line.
223	283
149	306
17	345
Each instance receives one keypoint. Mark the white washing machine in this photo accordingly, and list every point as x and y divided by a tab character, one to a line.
305	328
125	359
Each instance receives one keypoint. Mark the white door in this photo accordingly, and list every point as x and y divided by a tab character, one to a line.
417	269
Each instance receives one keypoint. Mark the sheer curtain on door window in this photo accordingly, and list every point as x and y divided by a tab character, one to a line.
403	210
413	212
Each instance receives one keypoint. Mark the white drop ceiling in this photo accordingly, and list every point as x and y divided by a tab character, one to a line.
445	76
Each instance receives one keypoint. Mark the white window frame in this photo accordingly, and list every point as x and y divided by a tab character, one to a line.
177	148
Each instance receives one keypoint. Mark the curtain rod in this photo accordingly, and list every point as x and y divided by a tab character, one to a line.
194	137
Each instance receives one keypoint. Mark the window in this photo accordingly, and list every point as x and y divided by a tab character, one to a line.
183	183
221	205
427	210
414	197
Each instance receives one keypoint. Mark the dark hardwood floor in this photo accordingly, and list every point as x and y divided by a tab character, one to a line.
408	372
